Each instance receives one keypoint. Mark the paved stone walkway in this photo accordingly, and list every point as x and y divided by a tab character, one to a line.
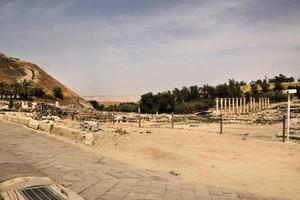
25	152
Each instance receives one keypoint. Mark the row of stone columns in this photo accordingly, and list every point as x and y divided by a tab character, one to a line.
241	105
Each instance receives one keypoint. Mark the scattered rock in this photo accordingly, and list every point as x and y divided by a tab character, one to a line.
90	126
174	173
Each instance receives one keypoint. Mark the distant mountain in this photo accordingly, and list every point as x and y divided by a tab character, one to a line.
114	98
16	70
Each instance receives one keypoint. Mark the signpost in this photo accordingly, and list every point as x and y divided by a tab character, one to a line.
288	93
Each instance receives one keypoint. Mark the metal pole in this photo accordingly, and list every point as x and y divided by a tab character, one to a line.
283	131
221	124
139	110
288	117
172	120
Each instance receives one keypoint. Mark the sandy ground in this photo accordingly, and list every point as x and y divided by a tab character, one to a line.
245	157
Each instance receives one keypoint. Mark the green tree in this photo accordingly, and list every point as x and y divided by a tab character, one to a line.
208	91
234	88
25	89
281	79
222	90
185	93
16	88
278	86
148	103
177	95
166	102
96	105
194	92
265	86
3	87
254	89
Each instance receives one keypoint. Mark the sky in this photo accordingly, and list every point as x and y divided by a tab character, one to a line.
99	47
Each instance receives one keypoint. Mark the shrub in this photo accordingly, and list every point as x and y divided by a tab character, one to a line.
38	92
57	92
96	105
128	107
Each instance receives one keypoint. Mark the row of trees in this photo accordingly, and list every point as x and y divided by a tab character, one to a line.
25	90
122	107
196	99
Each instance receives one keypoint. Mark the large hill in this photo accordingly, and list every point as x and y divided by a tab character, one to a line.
15	70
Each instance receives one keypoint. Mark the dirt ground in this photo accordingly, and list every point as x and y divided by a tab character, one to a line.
244	157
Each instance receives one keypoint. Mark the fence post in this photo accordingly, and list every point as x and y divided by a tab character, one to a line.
283	130
139	110
172	120
221	124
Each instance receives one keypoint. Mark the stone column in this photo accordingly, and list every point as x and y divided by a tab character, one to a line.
221	107
250	103
240	105
265	103
237	105
260	104
233	106
225	105
244	105
229	105
254	104
268	103
217	106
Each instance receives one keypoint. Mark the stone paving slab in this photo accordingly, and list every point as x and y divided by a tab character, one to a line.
25	152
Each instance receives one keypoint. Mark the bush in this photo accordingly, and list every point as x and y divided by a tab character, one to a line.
128	107
57	92
192	107
96	105
111	108
38	92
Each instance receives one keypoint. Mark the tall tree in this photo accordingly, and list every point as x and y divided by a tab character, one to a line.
3	86
177	95
148	103
185	93
208	91
234	88
25	88
194	92
254	89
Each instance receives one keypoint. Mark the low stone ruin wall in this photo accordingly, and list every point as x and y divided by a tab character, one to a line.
84	137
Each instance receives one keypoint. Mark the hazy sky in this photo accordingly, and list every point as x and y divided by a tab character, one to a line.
136	46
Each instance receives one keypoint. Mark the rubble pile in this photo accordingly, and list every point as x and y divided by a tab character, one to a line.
90	126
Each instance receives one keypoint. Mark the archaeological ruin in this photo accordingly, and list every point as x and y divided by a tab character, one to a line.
240	105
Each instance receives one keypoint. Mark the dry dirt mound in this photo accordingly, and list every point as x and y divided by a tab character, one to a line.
15	70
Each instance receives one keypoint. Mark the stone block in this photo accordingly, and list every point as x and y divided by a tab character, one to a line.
89	139
66	132
21	120
47	127
34	124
